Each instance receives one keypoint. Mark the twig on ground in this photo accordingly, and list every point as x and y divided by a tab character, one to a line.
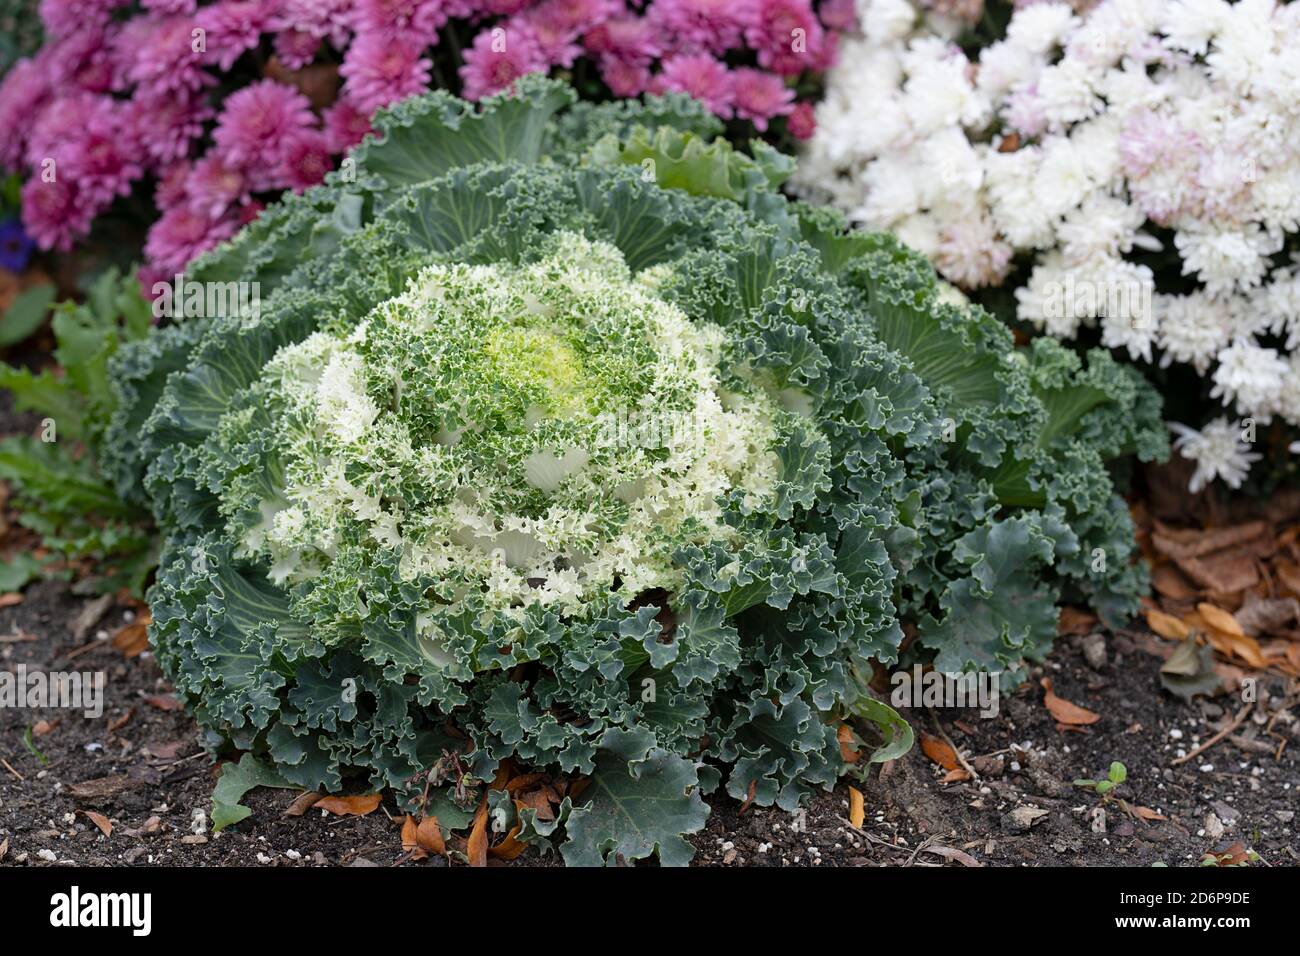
1236	722
965	764
11	769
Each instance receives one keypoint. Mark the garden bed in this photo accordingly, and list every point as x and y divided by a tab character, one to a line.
141	767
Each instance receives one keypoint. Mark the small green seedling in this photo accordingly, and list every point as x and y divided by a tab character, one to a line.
1117	774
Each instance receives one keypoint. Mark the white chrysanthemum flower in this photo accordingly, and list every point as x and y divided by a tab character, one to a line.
886	20
1193	329
1226	259
1190	25
1218	451
1040	27
1251	376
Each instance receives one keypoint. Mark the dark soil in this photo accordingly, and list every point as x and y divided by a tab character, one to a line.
140	766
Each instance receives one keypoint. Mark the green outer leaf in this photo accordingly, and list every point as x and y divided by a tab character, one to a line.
236	780
25	314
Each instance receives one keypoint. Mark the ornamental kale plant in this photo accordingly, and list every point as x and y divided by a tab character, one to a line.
208	110
561	437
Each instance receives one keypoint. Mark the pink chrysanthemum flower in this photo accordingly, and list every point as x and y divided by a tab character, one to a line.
714	26
627	38
700	76
504	8
498	57
759	96
62	18
624	77
296	48
839	15
328	19
788	37
216	185
416	19
183	233
159	54
54	214
232	27
381	69
345	126
170	6
167	125
23	96
60	122
802	121
257	118
99	158
306	160
173	185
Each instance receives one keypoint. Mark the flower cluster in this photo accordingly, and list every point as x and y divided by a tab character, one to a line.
1131	168
226	104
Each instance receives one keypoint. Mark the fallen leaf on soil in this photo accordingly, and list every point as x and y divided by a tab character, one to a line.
1171	582
956	776
168	750
1166	625
1289	575
1146	813
848	752
4	847
510	847
357	806
163	702
952	853
101	788
940	751
1195	542
98	819
421	839
476	848
1064	711
1267	615
43	727
1230	855
122	721
1074	621
302	803
10	599
857	808
1220	619
133	639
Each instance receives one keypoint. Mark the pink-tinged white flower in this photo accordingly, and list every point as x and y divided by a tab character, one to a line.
497	58
760	96
698	75
184	233
306	160
257	118
54	214
712	26
972	254
380	70
1218	452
